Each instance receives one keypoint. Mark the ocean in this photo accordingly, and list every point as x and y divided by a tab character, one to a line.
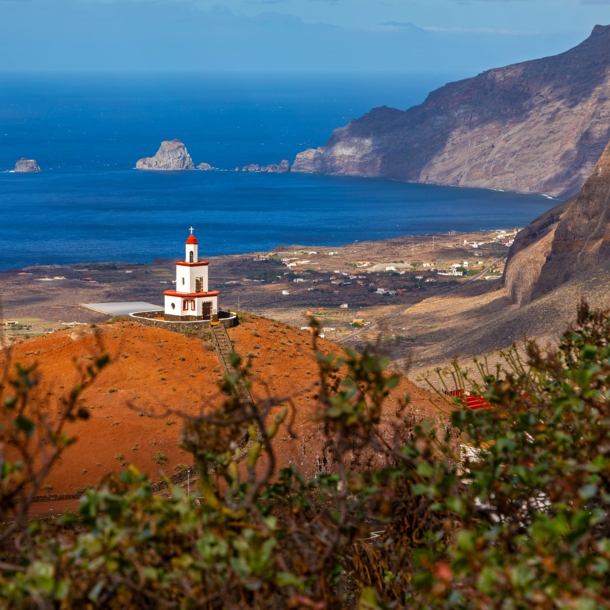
88	204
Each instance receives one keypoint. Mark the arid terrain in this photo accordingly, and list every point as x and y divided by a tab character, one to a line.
372	279
155	375
421	300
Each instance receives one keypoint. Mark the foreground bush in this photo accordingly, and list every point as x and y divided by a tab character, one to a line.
521	523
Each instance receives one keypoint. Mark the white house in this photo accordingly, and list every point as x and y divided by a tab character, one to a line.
191	300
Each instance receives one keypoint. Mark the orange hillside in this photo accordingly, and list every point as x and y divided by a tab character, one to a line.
155	370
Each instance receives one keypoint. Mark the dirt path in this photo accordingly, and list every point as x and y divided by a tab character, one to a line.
57	507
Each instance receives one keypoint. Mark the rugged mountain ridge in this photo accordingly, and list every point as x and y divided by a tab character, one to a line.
569	240
538	126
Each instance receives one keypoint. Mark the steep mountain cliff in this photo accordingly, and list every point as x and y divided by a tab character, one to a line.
568	241
538	126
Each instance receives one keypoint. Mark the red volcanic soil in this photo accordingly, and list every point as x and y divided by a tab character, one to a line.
154	370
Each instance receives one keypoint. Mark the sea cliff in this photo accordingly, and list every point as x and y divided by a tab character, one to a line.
535	127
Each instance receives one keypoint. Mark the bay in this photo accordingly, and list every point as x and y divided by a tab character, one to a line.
89	204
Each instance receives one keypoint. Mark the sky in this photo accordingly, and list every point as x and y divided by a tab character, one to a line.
524	16
434	36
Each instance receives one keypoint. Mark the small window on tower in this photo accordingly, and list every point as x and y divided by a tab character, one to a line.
185	305
192	304
190	257
183	281
173	305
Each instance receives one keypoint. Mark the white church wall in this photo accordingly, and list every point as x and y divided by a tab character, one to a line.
186	278
194	248
183	278
202	272
176	302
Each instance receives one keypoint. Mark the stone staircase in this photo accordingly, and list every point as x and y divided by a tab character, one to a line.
223	348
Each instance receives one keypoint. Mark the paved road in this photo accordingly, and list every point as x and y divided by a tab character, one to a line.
478	276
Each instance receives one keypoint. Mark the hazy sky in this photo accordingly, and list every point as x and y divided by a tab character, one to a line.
453	36
525	16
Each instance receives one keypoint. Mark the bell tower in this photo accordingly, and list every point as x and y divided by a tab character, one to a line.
192	248
191	300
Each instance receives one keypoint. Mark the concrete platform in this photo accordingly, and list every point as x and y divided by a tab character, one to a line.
121	309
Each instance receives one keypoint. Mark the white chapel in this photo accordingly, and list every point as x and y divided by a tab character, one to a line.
191	300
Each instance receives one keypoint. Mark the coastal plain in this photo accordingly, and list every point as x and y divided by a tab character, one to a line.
351	289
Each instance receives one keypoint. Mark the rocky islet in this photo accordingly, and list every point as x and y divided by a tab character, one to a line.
26	166
171	156
273	168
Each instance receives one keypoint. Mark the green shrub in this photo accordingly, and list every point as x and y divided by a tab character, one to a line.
506	507
159	458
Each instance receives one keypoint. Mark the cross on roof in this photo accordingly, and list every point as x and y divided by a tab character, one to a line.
191	230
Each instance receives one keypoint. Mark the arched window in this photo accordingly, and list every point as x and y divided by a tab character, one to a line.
192	304
185	305
190	257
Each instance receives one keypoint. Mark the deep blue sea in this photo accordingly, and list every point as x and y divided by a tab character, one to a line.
87	131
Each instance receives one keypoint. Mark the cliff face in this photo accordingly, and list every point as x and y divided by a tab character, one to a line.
538	126
26	166
171	156
528	254
566	242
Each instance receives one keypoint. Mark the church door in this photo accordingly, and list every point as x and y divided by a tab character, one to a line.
206	310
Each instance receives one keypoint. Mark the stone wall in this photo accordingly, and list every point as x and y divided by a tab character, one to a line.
227	318
172	318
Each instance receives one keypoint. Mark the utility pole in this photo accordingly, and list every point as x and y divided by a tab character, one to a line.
412	245
238	302
433	243
188	478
